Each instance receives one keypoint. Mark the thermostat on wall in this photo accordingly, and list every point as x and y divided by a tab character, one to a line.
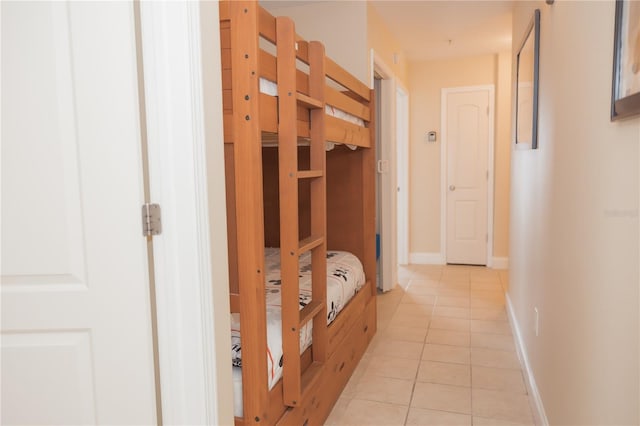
431	136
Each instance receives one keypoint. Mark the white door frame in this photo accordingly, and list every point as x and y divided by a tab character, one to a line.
387	170
186	172
402	169
443	168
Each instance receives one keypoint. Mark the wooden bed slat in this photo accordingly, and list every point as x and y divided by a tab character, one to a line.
344	132
309	174
227	100
267	69
267	25
267	63
302	51
268	113
227	119
227	77
341	101
225	34
310	311
303	128
310	243
309	102
340	75
302	82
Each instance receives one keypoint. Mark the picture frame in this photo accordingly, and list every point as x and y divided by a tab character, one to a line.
625	93
527	82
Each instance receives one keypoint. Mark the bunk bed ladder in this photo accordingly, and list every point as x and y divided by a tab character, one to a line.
296	383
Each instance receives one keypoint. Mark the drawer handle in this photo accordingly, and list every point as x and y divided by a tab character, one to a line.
341	366
306	422
366	327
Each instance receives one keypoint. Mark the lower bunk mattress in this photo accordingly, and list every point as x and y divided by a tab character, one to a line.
345	277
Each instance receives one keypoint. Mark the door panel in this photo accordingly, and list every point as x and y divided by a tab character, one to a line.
64	359
467	128
76	323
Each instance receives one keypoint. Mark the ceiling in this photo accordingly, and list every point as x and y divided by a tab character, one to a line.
428	29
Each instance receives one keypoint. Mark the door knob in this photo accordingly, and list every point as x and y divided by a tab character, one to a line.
452	187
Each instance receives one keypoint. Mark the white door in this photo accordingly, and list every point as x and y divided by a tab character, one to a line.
76	324
467	140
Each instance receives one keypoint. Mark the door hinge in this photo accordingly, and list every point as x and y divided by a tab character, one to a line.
486	238
151	220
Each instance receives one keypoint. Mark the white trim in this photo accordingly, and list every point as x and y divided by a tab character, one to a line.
491	170
500	263
426	259
188	356
388	194
402	169
490	165
540	417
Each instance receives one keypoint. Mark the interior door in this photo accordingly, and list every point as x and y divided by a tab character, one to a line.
467	130
76	323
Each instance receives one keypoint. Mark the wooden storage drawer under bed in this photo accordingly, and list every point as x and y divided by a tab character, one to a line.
338	370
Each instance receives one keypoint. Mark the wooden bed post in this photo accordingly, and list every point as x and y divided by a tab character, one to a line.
297	383
248	193
317	83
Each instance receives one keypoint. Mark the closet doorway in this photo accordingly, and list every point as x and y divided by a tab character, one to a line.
384	84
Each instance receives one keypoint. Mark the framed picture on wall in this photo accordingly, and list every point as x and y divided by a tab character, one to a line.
527	65
625	97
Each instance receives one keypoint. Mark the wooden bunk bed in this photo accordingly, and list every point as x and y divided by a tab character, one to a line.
286	190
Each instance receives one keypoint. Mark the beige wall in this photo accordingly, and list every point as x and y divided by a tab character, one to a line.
574	226
340	25
502	156
426	80
385	44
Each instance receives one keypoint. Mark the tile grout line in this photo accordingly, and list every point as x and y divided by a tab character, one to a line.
470	360
424	342
428	327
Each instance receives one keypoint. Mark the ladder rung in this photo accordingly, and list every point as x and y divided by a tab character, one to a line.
310	377
310	243
310	311
309	102
307	174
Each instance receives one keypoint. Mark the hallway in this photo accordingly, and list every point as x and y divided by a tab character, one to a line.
443	355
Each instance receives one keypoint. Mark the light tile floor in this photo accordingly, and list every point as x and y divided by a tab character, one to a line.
443	355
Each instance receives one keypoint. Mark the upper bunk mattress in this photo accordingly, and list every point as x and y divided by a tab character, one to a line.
270	88
345	276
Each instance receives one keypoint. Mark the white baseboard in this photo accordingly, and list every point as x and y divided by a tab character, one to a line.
500	263
438	259
540	417
426	259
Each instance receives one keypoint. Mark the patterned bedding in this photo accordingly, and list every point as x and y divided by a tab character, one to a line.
345	276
